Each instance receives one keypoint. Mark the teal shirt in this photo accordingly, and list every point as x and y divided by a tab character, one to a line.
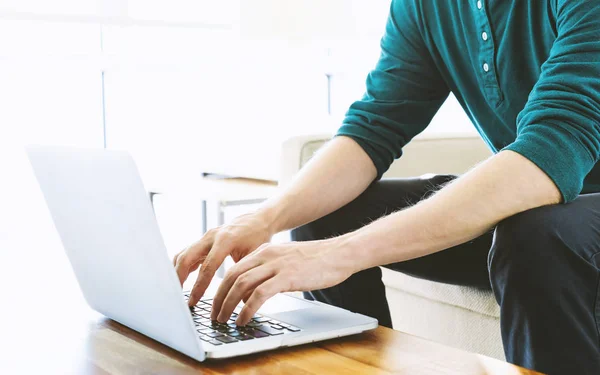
530	84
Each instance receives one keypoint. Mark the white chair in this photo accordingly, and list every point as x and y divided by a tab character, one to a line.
458	316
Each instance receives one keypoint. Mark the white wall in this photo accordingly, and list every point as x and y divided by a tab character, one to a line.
187	84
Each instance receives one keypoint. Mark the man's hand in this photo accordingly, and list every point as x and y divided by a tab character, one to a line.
309	196
272	269
238	239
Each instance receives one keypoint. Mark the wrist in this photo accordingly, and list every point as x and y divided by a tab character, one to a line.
349	255
275	213
270	217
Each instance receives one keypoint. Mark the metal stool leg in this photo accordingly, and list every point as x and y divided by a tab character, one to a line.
220	221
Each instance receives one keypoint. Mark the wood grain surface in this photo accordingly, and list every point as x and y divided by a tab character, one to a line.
102	346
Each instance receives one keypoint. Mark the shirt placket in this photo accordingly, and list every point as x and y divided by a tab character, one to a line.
487	51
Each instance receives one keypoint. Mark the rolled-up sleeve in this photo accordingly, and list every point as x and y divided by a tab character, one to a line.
559	127
403	93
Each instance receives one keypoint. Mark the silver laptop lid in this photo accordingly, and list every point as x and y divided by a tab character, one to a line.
108	229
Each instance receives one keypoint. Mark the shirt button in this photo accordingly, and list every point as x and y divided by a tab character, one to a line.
484	36
486	67
479	4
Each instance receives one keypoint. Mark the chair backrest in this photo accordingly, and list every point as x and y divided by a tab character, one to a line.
447	154
439	154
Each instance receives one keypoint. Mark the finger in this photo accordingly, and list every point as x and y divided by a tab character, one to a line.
213	261
188	260
178	255
246	282
247	295
262	293
234	272
188	263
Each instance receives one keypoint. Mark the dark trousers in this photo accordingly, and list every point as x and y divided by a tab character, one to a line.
543	266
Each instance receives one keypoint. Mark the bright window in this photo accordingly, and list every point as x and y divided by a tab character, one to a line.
197	84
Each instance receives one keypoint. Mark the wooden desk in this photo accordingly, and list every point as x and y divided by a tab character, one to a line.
46	328
87	343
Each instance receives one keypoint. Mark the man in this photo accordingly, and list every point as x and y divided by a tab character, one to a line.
528	75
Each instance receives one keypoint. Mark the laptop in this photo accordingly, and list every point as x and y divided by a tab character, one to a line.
110	234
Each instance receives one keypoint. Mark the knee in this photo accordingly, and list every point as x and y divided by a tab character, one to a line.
523	231
524	249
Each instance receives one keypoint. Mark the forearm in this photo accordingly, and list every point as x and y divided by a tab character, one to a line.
335	176
503	186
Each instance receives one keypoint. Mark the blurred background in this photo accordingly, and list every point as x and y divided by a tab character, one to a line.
187	86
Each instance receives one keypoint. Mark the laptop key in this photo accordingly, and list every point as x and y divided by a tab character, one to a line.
215	342
277	327
293	329
243	337
269	330
226	339
262	319
256	333
214	334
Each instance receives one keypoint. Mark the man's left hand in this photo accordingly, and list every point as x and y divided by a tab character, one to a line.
272	269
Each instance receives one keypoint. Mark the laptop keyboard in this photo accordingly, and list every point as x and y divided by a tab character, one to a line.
216	333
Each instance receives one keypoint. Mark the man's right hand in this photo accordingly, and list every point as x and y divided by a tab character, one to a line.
238	239
335	176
